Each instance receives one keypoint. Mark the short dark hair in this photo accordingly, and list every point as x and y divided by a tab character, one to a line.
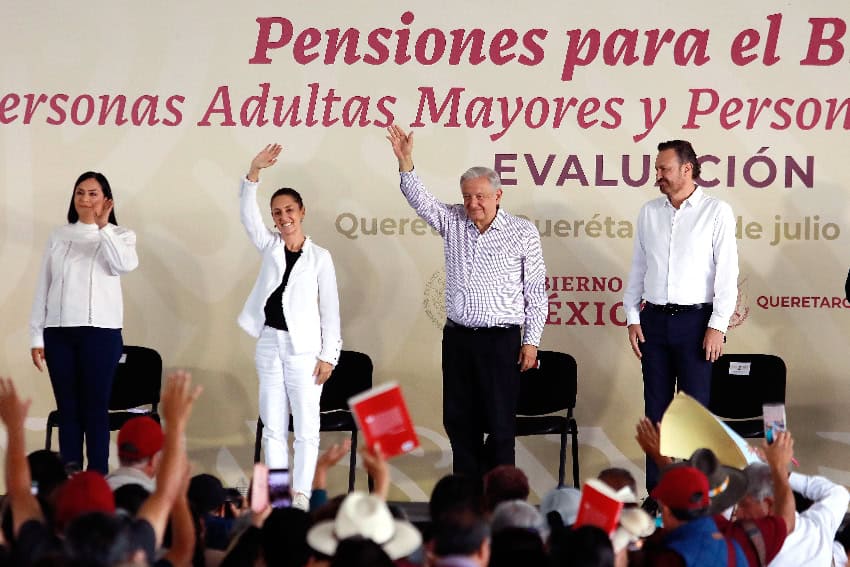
73	216
460	532
289	191
684	151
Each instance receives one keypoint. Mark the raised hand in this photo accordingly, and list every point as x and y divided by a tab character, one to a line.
266	158
177	399
101	217
13	411
402	145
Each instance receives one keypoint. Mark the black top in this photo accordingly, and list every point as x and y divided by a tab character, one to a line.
274	304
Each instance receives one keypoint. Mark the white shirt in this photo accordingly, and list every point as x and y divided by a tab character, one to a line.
494	278
79	283
310	299
685	256
811	541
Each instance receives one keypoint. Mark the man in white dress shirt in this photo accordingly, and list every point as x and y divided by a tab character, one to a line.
685	269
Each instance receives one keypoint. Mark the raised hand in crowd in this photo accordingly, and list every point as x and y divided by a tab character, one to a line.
266	158
402	146
779	455
648	437
176	402
13	412
326	460
376	465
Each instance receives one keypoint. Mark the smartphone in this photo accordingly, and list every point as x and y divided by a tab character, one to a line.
774	420
260	488
280	493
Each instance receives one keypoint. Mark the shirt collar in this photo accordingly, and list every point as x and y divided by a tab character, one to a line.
497	224
693	200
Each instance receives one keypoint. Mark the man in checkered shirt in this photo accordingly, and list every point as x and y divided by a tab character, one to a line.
496	308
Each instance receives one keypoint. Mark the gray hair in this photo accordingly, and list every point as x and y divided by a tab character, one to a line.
759	481
519	514
479	171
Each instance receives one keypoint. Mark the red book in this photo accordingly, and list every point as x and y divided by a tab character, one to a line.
382	416
599	506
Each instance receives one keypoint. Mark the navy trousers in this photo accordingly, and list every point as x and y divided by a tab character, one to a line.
480	389
82	363
673	359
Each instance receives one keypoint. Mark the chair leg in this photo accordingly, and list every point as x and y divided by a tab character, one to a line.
575	454
258	440
48	441
562	464
352	464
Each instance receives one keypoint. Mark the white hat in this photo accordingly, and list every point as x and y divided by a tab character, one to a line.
634	525
367	516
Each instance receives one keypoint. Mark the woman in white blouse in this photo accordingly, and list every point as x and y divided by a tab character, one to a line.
293	310
77	316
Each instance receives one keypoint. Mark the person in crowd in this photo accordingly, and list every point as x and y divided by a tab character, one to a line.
810	533
759	538
87	493
293	310
504	483
496	308
139	451
690	536
77	316
365	516
685	270
461	539
619	478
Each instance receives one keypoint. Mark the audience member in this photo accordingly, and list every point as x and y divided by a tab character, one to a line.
619	478
366	516
519	514
139	450
503	483
690	536
563	502
461	539
811	533
516	546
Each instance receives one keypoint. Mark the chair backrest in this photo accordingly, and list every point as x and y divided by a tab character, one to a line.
352	375
138	379
550	388
742	383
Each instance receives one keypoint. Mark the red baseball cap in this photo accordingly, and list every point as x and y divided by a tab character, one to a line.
139	438
84	492
682	488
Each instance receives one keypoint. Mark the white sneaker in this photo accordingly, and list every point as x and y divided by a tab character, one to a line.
300	501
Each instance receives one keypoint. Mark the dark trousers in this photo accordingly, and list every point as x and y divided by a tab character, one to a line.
673	359
480	389
82	363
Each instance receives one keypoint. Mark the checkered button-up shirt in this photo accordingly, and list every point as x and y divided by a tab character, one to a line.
494	278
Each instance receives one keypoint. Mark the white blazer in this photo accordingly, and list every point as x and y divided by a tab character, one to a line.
310	300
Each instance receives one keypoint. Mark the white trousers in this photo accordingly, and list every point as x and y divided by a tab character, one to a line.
287	385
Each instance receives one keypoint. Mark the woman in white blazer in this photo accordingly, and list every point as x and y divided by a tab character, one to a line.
293	310
77	315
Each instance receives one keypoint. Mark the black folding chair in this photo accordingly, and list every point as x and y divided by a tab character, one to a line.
741	384
352	375
548	390
137	383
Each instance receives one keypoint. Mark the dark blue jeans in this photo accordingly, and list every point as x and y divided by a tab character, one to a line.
82	363
480	389
673	359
